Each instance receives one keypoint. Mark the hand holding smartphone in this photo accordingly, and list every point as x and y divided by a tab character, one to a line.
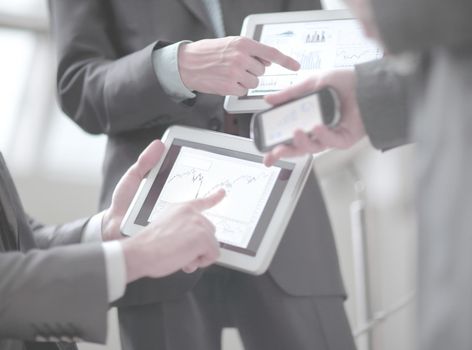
276	125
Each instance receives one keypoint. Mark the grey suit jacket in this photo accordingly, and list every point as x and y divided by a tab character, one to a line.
433	106
106	83
47	295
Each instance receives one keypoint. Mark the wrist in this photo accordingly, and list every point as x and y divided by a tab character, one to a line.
134	259
166	67
185	63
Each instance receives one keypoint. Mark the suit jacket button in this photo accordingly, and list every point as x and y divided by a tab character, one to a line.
214	124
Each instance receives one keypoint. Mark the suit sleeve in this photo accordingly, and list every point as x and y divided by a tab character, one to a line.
60	292
47	236
384	103
419	25
102	90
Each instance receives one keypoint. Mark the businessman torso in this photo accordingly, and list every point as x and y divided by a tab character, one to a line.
132	109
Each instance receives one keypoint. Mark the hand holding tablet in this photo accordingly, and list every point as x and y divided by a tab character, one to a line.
250	221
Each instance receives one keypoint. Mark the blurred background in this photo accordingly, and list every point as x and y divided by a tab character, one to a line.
57	168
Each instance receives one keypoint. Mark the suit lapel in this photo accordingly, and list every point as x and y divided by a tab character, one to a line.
198	9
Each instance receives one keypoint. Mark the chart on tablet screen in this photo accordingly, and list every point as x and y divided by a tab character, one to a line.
315	45
197	174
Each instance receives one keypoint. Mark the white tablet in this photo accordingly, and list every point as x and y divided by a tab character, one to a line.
259	201
316	39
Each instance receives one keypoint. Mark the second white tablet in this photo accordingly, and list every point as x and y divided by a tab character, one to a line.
316	39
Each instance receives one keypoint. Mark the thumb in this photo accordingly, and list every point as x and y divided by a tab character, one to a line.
202	204
129	183
147	160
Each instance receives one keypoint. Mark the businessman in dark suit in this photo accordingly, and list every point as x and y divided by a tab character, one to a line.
55	291
125	69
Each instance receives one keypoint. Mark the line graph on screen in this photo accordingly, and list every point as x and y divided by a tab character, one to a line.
197	174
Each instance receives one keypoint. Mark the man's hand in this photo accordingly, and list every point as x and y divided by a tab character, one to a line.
127	188
227	66
182	238
349	130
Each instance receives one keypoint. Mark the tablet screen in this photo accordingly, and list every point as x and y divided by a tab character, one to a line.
320	44
191	170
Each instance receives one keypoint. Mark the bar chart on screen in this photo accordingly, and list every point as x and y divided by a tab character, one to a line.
316	45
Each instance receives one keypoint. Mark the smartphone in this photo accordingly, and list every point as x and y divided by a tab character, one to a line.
276	125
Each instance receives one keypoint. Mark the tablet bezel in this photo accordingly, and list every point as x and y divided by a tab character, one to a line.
259	263
233	104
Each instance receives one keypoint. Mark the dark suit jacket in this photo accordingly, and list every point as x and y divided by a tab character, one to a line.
46	294
106	83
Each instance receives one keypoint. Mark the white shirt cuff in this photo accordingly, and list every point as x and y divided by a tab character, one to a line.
166	66
116	269
93	229
115	264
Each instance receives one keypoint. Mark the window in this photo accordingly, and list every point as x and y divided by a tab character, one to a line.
35	137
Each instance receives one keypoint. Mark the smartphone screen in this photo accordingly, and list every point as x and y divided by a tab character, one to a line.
279	124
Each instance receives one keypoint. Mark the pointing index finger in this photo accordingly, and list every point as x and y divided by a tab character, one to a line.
202	204
271	54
